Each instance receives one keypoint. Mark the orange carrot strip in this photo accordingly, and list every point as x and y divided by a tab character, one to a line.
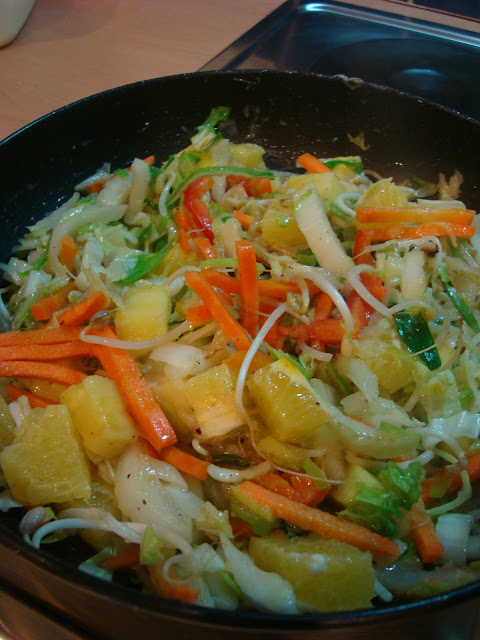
35	336
235	360
312	164
274	482
42	371
96	187
183	241
248	275
414	214
323	306
244	219
45	308
423	532
402	232
83	310
120	367
446	482
149	160
191	465
362	242
34	401
321	522
277	289
225	320
68	252
183	220
173	590
241	529
307	490
205	247
200	314
328	331
46	352
123	560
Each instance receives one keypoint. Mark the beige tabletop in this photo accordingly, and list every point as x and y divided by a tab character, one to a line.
69	49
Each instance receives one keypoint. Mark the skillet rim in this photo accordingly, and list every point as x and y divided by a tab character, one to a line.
203	615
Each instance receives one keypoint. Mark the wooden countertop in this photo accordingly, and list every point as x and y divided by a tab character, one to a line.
69	49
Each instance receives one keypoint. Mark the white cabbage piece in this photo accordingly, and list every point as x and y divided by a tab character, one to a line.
268	591
464	424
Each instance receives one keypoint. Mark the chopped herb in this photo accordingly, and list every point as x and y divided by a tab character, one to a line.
417	337
151	205
146	262
356	165
123	173
458	302
144	233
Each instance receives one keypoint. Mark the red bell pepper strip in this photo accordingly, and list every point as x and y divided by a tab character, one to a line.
192	200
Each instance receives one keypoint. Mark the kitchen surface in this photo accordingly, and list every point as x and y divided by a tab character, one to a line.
70	49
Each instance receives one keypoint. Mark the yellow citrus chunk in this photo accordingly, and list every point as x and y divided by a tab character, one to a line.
383	193
100	416
286	403
7	424
47	461
145	313
279	227
326	575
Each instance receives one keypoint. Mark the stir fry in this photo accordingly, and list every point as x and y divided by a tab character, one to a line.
245	388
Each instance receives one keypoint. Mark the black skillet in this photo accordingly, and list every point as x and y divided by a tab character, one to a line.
44	596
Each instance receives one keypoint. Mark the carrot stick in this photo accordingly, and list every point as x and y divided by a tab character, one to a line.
183	241
95	187
274	482
183	220
277	289
241	529
323	306
205	247
123	560
41	370
362	242
235	360
428	545
35	336
121	368
200	314
307	490
68	252
328	331
321	522
172	590
225	320
191	465
312	164
149	160
445	482
414	214
46	352
83	310
402	232
45	308
244	219
34	401
248	275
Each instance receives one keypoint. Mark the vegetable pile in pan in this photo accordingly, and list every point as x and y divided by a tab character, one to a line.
249	388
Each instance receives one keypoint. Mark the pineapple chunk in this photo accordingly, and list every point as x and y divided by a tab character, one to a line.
248	154
7	425
327	575
279	227
383	193
327	184
211	394
393	370
46	462
286	403
100	417
345	492
175	402
49	390
145	313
